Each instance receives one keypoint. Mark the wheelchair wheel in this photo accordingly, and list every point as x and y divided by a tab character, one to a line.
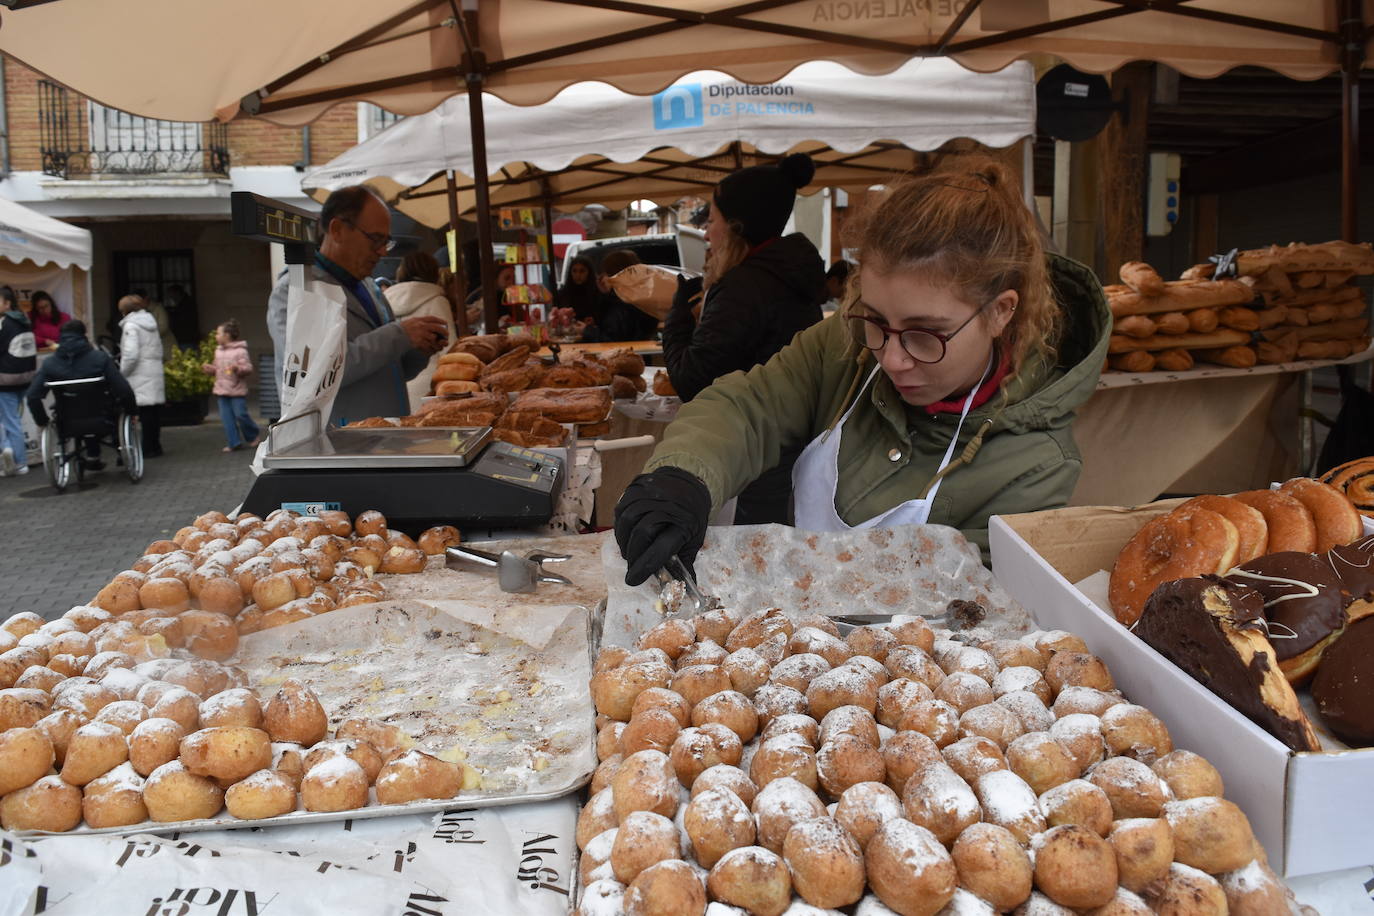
54	461
131	446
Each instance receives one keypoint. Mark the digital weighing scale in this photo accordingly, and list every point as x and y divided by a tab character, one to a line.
415	476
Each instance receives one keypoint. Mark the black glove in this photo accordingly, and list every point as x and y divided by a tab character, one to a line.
660	515
39	414
688	289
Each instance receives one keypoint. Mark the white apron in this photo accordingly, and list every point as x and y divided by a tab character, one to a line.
816	474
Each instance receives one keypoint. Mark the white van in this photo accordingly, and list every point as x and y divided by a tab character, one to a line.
685	248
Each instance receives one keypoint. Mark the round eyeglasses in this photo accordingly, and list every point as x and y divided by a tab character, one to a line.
921	345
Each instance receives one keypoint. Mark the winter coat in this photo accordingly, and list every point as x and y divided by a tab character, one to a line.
76	358
890	451
749	314
140	357
231	369
416	297
45	330
379	359
18	353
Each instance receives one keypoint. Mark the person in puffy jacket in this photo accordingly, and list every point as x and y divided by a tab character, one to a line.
417	292
140	359
759	290
77	358
943	392
18	360
231	369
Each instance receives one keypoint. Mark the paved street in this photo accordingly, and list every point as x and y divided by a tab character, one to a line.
58	550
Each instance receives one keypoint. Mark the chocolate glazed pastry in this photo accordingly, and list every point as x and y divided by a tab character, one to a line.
1302	602
1353	565
1215	630
1342	685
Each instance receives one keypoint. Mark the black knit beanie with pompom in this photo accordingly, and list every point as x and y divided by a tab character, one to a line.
760	197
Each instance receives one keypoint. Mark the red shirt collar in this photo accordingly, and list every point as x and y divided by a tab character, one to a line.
761	245
985	391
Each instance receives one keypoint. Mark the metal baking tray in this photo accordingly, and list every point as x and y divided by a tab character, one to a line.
398	447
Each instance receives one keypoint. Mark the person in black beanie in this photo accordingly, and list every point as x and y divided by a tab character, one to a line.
760	289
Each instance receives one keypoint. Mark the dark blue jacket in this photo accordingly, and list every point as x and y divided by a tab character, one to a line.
76	358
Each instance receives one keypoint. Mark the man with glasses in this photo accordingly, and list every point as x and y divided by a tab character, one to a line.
383	353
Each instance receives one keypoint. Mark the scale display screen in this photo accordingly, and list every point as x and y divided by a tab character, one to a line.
266	220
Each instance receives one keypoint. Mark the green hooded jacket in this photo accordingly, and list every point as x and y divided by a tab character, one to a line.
889	453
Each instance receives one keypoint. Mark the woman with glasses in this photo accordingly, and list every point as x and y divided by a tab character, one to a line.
943	391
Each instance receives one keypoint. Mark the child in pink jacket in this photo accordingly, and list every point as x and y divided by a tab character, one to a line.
231	369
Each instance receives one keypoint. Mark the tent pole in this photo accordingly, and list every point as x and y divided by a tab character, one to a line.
475	69
458	268
548	232
1352	59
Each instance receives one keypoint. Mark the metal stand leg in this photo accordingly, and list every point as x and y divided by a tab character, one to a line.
1306	451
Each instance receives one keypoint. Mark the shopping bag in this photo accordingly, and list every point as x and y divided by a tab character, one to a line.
316	344
648	287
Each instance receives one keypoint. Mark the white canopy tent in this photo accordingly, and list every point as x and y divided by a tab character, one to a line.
594	143
39	252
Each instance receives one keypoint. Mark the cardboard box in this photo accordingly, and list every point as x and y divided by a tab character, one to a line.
1311	811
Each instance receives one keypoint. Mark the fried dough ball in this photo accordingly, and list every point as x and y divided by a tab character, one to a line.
847	760
1210	834
1077	802
228	752
1075	867
798	670
22	624
1134	731
752	878
653	729
615	690
964	691
210	635
792	723
1021	677
153	742
1188	775
221	595
59	726
1081	736
905	754
909	869
123	715
1079	669
731	709
697	682
118	597
1048	642
1254	891
645	781
180	705
821	643
596	817
716	625
1013	653
992	721
772	700
779	805
1144	848
912	631
914	663
784	757
825	863
669	888
939	800
993	865
115	799
605	771
14	662
48	804
672	636
68	665
265	793
94	749
849	720
1041	761
1087	700
336	784
25	755
1008	802
370	522
79	694
972	757
936	719
1132	787
707	652
1187	891
897	697
642	839
166	594
235	706
663	699
173	793
401	559
294	714
758	627
39	677
87	618
717	821
725	776
842	686
414	775
696	750
73	642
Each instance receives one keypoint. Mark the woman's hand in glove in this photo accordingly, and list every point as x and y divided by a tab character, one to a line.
662	514
688	293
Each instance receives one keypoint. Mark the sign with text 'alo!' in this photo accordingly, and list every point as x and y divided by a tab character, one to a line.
685	105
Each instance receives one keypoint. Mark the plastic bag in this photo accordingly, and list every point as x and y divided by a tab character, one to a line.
316	344
648	287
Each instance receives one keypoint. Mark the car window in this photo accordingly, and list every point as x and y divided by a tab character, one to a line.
655	251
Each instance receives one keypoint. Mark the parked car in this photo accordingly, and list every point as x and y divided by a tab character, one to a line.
685	248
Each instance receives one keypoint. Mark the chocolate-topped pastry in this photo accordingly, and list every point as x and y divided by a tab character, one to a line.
1353	565
1302	602
1214	629
1344	685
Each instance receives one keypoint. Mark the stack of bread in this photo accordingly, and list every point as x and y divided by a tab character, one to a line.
748	759
1251	595
1286	303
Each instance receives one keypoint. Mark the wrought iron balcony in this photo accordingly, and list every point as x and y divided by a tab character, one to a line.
83	139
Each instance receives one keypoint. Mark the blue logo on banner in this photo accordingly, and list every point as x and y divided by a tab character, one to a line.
679	106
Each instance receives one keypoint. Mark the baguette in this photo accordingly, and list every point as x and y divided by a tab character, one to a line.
1269	318
1314	296
1135	361
1142	278
1175	360
567	405
1199	272
1184	296
1134	326
1172	323
1327	349
1332	330
1238	319
1307	279
477	401
1202	321
1214	340
1239	357
1320	314
1282	350
1335	255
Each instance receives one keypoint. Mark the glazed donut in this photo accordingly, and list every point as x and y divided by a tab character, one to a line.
1356	480
1290	523
1179	545
1336	519
1251	527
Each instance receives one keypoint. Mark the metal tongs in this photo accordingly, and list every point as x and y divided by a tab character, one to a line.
515	573
697	603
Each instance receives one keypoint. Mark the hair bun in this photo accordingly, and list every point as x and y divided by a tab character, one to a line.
798	168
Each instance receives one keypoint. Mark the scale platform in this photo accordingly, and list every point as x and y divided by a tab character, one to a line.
415	476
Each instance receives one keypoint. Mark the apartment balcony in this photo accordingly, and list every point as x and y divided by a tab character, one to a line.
81	139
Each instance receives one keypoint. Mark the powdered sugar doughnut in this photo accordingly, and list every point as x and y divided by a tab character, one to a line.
850	720
1134	731
753	878
1041	761
717	821
696	750
706	652
724	776
731	709
1075	867
337	784
234	706
180	705
651	729
992	721
972	757
596	817
907	753
793	722
842	686
798	670
645	782
643	838
264	793
747	669
153	742
787	756
115	799
614	690
1210	834
415	775
939	800
59	726
1132	787
866	806
757	627
912	631
1188	775
993	865
124	715
897	697
669	888
964	691
1187	890
1081	736
915	664
294	714
1008	802
1074	700
825	862
39	677
909	869
781	804
847	760
935	719
1077	802
25	755
48	804
716	625
94	749
772	700
1144	848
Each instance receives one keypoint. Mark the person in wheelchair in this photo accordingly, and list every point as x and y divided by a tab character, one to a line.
76	358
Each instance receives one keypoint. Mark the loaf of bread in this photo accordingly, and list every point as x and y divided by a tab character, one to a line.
1171	323
1134	326
485	347
1142	278
1174	360
510	360
1183	296
1202	321
624	362
455	386
1239	357
456	372
663	386
1135	361
1238	319
569	405
517	379
573	376
1216	339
